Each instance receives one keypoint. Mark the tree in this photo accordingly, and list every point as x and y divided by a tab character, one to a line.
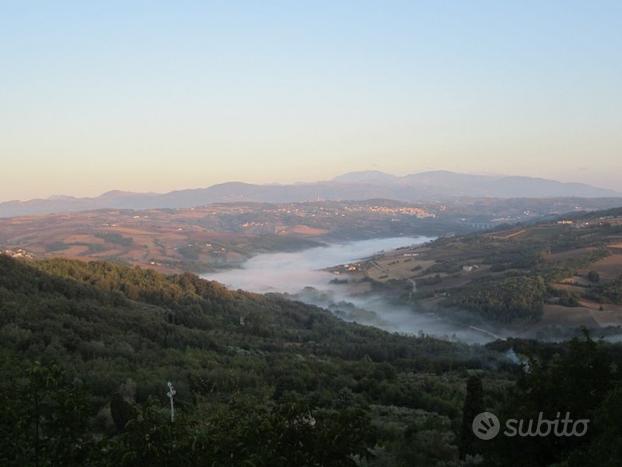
579	380
121	410
473	405
48	422
593	277
606	448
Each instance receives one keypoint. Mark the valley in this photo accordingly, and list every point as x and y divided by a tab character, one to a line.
304	276
218	236
532	280
538	262
311	234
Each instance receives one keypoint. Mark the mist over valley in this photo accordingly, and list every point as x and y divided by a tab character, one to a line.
303	276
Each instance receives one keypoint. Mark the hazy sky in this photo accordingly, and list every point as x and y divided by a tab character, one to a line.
100	95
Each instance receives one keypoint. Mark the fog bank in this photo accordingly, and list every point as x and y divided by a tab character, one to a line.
300	274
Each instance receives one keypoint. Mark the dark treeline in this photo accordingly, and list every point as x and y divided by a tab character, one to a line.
580	378
87	349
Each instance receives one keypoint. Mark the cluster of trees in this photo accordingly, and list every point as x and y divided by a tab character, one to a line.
86	350
115	238
515	257
47	416
610	292
580	378
109	337
505	299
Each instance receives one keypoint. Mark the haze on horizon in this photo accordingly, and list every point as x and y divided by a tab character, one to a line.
98	96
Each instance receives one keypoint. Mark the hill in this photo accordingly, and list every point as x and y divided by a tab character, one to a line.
124	332
87	349
459	184
539	279
426	186
225	235
215	236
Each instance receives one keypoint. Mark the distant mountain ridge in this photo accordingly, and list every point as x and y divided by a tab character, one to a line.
424	186
494	186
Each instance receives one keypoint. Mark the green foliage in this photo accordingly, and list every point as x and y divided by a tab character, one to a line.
121	411
45	417
593	276
605	447
505	300
115	238
56	246
515	257
190	252
243	433
260	380
581	379
473	405
105	324
610	292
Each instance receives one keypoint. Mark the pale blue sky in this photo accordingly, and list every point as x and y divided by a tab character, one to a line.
165	95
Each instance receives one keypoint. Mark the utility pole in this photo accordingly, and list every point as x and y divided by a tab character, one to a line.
171	395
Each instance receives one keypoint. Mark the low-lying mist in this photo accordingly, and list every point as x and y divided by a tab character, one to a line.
301	276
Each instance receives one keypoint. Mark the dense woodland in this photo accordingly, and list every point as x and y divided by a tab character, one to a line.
87	350
504	299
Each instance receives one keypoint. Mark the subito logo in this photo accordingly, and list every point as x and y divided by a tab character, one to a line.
486	426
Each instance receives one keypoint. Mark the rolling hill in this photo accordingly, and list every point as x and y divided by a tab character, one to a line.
426	186
225	235
87	349
90	353
541	279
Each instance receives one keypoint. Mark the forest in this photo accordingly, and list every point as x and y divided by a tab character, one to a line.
88	349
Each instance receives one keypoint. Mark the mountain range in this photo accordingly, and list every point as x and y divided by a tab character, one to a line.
424	186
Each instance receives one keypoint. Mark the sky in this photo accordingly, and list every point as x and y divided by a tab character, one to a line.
161	95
